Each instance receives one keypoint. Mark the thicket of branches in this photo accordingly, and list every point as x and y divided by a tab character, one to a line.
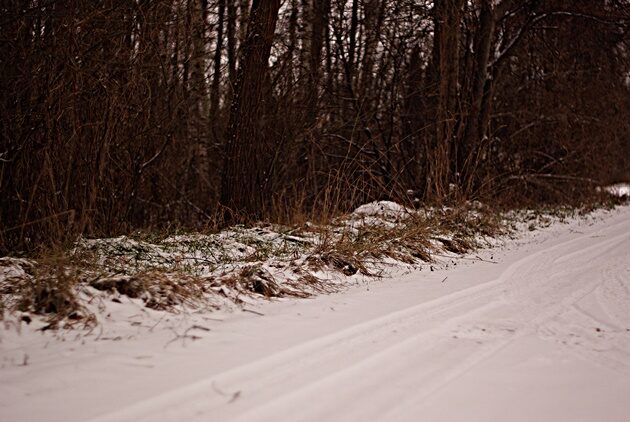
117	115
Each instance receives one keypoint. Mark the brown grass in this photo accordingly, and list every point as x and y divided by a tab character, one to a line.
58	286
50	287
158	289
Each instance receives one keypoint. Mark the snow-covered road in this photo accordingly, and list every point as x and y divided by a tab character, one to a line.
537	330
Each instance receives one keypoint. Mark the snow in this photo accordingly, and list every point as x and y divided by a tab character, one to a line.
377	213
619	189
385	209
11	268
536	328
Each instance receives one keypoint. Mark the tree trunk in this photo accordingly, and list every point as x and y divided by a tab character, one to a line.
475	128
244	183
447	18
216	77
319	20
374	13
244	8
199	107
231	43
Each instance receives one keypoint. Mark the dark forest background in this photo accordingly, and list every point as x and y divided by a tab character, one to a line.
118	115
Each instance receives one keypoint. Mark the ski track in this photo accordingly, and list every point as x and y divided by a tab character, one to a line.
574	294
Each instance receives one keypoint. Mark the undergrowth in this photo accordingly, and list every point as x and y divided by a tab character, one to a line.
195	271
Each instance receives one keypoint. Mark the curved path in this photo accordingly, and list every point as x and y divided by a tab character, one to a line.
569	302
541	334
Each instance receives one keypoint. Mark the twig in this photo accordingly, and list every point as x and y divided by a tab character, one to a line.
253	312
156	324
476	258
233	396
182	336
39	220
197	327
485	260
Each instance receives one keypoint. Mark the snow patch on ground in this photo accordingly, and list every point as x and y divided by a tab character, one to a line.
385	209
13	268
619	189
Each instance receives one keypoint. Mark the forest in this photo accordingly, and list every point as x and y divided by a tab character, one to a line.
123	115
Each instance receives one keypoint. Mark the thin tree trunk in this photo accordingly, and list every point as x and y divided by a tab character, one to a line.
293	44
318	17
374	13
354	24
319	20
216	77
475	128
200	167
231	42
447	17
244	7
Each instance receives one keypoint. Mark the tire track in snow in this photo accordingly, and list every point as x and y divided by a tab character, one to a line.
488	341
597	327
312	369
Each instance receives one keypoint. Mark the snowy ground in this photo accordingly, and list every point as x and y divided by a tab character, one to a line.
534	329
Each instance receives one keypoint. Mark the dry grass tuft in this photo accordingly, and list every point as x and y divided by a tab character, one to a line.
256	279
158	290
48	287
344	259
456	245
